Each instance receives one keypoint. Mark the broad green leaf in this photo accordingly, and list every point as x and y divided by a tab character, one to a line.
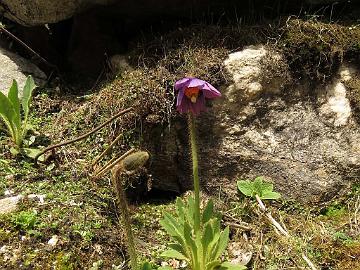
13	96
257	186
271	195
208	212
7	113
27	93
230	266
171	253
32	152
222	244
245	187
165	268
264	186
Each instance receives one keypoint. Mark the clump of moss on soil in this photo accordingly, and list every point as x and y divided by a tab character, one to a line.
315	49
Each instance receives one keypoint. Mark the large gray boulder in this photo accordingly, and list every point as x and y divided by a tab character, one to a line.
305	140
37	12
16	67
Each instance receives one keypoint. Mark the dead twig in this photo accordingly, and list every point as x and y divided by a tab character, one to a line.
107	150
82	136
281	230
22	43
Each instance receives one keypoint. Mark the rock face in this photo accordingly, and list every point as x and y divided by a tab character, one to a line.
16	67
305	140
38	12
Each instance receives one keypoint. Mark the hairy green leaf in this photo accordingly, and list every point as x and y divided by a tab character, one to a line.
230	266
208	212
171	253
191	244
13	96
222	244
170	225
212	264
146	266
8	113
27	93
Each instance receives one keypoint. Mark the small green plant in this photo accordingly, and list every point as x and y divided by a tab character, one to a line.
201	249
26	221
257	187
258	190
10	110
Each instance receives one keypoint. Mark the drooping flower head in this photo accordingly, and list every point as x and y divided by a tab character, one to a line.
192	93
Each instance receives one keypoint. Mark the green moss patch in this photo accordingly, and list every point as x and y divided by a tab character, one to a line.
315	49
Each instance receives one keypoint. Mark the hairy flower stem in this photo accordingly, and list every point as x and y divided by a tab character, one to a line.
193	145
116	179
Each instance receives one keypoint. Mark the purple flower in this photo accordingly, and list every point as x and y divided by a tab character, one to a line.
192	94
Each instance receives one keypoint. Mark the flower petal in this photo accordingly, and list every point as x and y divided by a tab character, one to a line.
210	91
195	82
180	97
182	83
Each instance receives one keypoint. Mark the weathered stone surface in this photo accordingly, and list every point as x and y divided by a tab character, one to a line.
16	67
39	12
302	138
255	70
8	205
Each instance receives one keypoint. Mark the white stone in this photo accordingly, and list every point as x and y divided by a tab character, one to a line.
16	67
8	192
337	106
40	197
53	240
249	69
8	205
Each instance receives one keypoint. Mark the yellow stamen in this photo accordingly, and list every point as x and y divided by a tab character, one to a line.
192	93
